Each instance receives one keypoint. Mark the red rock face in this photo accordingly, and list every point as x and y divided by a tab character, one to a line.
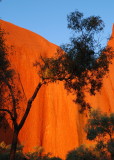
54	121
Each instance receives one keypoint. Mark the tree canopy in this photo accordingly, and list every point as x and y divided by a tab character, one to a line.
100	128
100	125
11	95
83	63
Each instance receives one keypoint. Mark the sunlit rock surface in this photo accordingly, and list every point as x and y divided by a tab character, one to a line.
54	121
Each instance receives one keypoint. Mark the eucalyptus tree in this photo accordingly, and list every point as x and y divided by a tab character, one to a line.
81	66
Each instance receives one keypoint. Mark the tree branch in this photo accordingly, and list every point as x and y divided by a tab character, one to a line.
29	104
8	111
12	95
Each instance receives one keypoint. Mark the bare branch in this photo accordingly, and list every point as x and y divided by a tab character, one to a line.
29	104
8	111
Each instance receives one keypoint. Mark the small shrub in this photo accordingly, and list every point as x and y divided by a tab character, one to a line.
5	151
81	153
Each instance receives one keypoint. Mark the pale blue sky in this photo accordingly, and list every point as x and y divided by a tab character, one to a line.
49	17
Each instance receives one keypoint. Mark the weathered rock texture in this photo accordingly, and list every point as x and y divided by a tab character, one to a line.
54	121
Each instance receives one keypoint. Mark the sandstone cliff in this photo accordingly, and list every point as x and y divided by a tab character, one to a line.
54	121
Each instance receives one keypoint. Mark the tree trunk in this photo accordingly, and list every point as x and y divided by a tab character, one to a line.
14	145
17	128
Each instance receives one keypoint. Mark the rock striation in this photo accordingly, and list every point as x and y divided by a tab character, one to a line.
54	121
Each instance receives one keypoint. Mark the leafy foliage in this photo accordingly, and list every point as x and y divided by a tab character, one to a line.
4	63
9	101
5	151
82	153
110	147
35	155
10	93
100	127
84	63
5	73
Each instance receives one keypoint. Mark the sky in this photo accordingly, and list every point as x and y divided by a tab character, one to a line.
48	18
